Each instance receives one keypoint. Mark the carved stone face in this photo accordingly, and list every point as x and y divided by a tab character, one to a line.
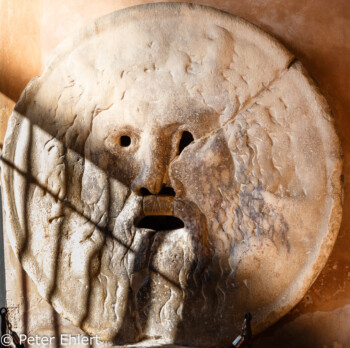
137	140
180	172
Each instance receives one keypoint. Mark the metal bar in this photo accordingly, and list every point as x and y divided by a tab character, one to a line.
2	261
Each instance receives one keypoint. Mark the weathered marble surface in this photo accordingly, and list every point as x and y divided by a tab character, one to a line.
260	181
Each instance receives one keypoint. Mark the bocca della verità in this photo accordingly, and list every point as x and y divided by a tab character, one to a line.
173	168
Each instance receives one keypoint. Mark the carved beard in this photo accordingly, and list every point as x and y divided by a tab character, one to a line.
145	274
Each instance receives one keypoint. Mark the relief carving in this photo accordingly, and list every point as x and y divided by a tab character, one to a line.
172	169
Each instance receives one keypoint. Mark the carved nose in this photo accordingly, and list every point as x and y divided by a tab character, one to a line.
149	179
154	158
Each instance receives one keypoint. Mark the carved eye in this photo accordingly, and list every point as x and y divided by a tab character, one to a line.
186	139
122	141
125	141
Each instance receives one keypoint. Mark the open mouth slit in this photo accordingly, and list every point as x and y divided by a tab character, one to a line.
160	223
165	191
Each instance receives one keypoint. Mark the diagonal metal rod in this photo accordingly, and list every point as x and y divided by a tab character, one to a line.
2	262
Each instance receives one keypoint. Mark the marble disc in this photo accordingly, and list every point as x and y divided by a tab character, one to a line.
173	168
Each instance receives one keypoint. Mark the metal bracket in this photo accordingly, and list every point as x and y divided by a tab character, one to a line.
245	339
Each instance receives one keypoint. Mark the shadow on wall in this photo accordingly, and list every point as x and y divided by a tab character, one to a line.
308	330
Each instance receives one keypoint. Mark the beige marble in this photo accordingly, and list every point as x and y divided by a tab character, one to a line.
258	188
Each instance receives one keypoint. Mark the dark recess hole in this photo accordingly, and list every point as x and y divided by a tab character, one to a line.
186	139
145	192
161	223
125	140
165	191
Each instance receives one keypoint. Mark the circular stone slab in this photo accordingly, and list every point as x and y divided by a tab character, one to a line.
172	169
